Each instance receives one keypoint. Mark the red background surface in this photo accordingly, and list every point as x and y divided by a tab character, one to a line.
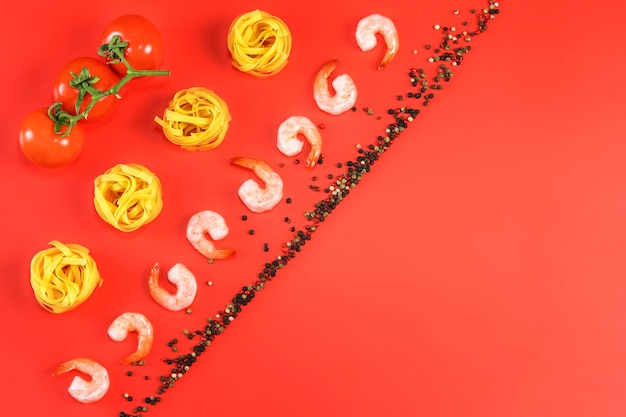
476	271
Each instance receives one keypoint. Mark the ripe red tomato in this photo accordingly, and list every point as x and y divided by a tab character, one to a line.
67	95
44	147
145	45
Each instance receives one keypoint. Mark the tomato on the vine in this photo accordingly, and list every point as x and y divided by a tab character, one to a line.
42	146
145	45
67	95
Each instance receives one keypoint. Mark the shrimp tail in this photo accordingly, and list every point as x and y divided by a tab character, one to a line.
155	271
132	358
224	253
243	161
314	155
145	346
329	67
257	166
63	368
386	60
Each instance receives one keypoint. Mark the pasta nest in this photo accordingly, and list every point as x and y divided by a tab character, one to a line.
196	119
128	196
63	276
259	43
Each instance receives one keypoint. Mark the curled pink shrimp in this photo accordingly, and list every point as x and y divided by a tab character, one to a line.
366	31
289	142
212	224
259	199
345	90
85	391
186	287
133	322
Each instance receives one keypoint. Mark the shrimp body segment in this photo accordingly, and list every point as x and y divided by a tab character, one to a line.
289	142
85	391
366	31
345	90
186	287
259	199
212	224
133	322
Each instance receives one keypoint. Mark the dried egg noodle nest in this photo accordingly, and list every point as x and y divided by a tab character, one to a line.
196	119
63	276
259	43
128	196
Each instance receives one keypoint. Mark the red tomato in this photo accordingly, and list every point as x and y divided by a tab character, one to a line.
67	95
44	147
145	45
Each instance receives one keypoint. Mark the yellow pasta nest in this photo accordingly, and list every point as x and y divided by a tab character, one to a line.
128	196
196	119
259	43
63	276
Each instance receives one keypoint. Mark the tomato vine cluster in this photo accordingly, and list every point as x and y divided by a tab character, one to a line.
86	89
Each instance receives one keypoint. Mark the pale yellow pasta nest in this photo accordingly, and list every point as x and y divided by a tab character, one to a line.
259	43
128	196
63	276
196	119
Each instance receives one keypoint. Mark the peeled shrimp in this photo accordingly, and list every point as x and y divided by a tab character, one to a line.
133	322
186	287
290	144
81	389
208	223
259	199
343	85
366	31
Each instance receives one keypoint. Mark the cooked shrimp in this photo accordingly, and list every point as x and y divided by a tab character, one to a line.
366	31
186	287
259	199
290	144
343	85
133	322
208	223
85	391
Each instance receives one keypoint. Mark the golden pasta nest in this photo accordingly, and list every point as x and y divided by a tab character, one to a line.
196	119
63	276
128	196
259	43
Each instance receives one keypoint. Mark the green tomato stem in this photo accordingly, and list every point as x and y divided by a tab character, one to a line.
61	117
114	90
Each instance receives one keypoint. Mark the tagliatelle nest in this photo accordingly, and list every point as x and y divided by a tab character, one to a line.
128	196
196	119
259	43
63	276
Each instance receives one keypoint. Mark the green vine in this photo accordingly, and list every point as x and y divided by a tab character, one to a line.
84	82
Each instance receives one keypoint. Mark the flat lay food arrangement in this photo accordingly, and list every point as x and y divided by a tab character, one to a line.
354	171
